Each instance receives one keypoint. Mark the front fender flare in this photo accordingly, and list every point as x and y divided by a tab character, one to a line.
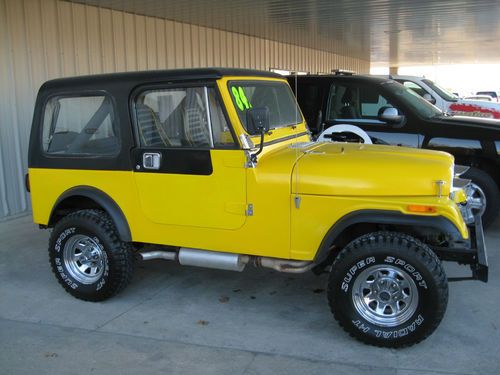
383	217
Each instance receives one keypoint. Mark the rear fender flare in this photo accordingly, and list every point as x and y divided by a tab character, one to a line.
104	201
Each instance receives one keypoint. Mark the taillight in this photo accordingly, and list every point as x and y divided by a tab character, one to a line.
27	182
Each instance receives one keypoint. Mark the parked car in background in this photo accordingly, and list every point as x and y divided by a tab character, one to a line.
392	113
493	94
448	102
484	98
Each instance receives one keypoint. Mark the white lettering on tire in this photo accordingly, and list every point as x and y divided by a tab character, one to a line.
393	333
57	247
408	268
62	237
361	326
400	332
352	271
101	282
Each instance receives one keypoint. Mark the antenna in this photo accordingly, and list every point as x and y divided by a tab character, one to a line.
297	198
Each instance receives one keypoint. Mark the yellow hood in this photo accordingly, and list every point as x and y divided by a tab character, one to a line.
347	169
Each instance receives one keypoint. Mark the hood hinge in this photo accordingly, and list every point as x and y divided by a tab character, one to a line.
440	184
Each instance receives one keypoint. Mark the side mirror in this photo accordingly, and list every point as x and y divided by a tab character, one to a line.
390	115
429	98
258	120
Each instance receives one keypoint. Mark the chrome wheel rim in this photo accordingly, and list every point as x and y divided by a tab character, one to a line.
476	200
385	295
84	259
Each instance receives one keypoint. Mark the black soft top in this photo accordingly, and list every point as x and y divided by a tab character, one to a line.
341	77
135	78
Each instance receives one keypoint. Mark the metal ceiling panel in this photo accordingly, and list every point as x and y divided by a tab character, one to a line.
395	32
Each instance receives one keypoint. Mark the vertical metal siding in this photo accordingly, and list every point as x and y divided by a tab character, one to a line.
46	39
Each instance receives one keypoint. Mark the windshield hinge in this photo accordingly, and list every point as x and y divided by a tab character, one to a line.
249	162
249	210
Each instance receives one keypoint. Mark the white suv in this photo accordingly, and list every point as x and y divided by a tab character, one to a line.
448	102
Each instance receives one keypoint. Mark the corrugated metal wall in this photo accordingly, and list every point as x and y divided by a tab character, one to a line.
45	39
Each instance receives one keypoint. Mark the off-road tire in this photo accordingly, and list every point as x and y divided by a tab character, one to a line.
115	266
414	262
491	192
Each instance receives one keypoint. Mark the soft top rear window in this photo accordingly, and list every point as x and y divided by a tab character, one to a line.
80	125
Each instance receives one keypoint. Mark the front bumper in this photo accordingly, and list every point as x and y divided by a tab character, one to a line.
480	267
472	253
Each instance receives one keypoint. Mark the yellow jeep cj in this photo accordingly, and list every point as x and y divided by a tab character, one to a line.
216	168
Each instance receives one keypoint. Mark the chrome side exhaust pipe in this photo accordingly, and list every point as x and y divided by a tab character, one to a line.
159	254
283	265
213	259
228	261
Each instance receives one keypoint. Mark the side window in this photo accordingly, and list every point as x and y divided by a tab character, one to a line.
83	125
343	102
181	117
308	95
221	132
371	102
352	102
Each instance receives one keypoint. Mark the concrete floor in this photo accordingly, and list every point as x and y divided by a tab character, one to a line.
183	320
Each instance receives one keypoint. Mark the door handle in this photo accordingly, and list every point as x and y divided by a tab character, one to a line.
151	160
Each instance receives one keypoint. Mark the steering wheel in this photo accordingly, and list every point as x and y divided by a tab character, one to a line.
329	134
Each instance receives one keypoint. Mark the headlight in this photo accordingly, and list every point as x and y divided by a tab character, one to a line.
457	193
461	193
460	197
459	170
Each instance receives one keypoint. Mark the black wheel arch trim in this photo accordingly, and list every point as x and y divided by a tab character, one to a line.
102	199
383	217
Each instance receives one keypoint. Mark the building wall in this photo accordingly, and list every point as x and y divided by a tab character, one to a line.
45	39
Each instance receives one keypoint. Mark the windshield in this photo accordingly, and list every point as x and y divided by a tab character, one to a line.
445	94
276	96
411	99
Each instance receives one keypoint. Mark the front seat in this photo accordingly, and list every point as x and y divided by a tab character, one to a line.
195	121
150	130
349	109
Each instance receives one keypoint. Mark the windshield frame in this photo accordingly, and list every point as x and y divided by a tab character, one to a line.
298	113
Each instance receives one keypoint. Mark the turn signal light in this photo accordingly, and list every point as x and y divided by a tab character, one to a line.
421	208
